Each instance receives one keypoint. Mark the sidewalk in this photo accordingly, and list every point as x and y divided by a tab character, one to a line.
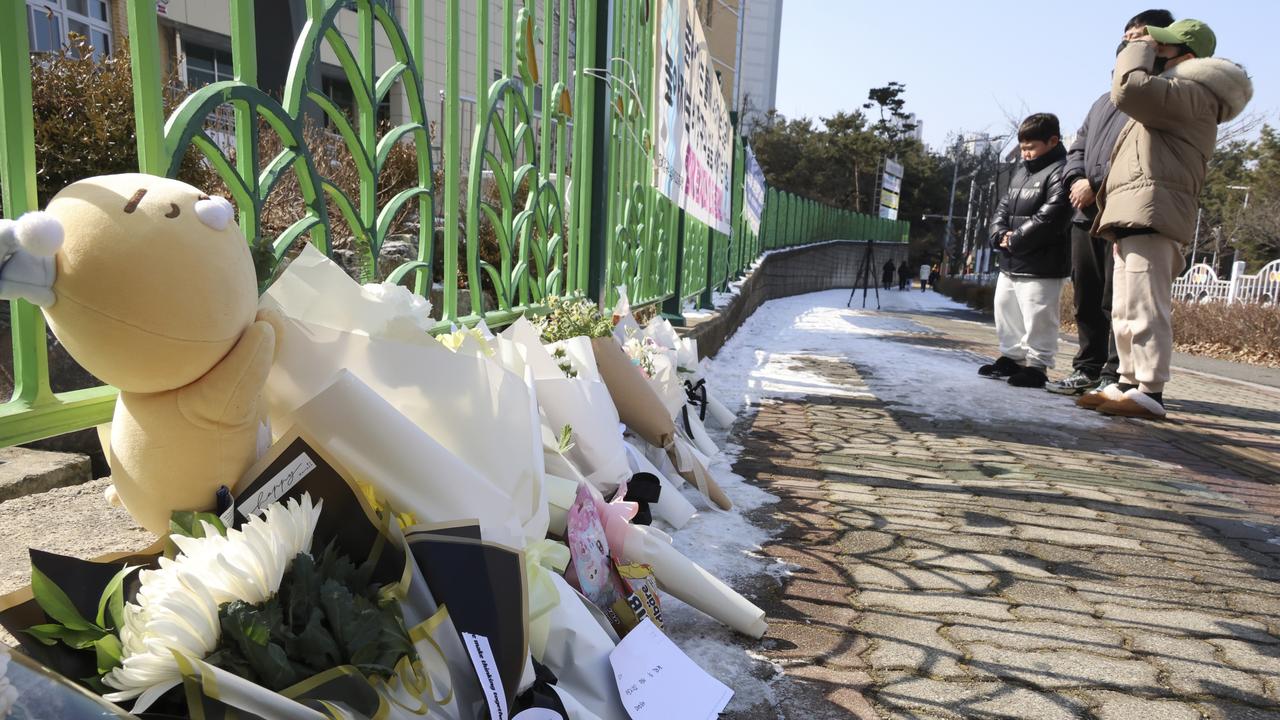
963	549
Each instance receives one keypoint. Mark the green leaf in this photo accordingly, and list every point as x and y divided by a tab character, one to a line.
191	524
113	596
109	653
55	602
566	439
52	634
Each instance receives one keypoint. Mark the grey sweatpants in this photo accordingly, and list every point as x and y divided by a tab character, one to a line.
1027	318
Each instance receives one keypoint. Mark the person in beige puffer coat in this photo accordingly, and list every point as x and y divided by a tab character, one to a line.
1176	95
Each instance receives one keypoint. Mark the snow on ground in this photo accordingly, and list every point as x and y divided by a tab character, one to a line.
774	355
890	350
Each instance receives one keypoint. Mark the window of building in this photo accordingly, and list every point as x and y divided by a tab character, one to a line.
337	89
206	65
50	21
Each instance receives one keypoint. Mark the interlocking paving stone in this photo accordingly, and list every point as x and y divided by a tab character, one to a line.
1111	705
1062	668
964	568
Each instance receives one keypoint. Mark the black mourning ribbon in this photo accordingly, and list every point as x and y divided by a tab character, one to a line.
697	397
643	489
540	694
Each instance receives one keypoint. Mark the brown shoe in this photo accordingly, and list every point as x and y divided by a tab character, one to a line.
1134	404
1095	398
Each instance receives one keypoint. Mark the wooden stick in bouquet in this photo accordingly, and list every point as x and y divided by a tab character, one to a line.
642	411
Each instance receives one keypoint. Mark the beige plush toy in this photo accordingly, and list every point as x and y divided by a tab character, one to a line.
154	292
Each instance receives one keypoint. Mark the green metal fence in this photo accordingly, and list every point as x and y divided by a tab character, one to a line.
565	194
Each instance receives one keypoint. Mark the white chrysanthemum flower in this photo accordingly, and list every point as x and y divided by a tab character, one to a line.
8	693
412	311
176	609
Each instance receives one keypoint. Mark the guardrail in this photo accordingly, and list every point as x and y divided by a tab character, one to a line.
566	194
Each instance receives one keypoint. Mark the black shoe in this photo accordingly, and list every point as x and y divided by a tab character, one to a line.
1029	377
1074	384
1000	369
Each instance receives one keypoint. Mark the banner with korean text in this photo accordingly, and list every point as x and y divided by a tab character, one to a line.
752	191
692	136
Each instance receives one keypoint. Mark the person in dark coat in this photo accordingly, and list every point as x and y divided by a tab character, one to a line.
1030	235
933	277
886	274
1096	363
904	275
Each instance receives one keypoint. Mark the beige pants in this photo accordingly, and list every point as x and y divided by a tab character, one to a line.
1027	318
1142	308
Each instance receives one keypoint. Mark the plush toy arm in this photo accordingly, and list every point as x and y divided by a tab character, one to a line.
228	394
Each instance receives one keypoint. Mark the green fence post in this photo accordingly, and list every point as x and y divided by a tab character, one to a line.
673	306
148	107
597	257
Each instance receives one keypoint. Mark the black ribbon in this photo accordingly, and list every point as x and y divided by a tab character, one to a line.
643	489
697	395
540	694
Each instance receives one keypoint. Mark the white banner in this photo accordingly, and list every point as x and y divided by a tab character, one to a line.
693	139
752	191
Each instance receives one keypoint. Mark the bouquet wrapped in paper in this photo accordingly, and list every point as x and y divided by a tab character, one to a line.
463	403
289	604
676	574
691	371
640	408
654	349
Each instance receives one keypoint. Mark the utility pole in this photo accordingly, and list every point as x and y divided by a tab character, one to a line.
968	220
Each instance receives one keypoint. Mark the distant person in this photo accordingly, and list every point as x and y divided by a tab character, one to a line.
904	275
1030	235
1096	364
886	274
933	277
925	269
1177	94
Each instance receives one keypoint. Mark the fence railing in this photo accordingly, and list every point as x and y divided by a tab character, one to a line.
527	207
1200	283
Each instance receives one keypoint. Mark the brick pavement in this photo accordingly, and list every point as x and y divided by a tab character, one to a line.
947	569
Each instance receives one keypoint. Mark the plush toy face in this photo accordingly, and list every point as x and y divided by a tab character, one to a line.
154	281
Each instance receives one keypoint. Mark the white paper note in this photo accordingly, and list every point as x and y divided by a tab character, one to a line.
487	670
657	681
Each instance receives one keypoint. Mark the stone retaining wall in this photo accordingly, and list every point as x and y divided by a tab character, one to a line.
795	271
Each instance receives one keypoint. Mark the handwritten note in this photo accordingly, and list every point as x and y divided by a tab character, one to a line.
657	681
275	488
490	682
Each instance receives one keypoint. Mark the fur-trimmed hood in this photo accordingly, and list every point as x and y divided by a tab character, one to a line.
1224	79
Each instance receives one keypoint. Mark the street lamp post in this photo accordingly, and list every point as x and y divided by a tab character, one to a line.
1247	189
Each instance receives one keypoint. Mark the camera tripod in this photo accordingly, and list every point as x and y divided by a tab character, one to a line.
866	276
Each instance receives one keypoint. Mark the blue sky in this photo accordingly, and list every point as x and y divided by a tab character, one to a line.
967	64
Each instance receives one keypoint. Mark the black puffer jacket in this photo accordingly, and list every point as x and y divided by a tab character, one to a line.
1090	155
1037	210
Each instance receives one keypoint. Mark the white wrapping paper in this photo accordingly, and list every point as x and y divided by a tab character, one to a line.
406	466
465	401
581	402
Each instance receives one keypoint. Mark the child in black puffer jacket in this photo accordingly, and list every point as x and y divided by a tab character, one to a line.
1030	235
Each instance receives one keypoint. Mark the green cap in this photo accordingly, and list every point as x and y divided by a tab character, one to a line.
1192	33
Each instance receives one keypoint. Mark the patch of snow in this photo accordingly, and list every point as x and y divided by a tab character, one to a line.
892	353
728	546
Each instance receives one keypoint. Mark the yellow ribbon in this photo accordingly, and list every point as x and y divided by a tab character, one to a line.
541	558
